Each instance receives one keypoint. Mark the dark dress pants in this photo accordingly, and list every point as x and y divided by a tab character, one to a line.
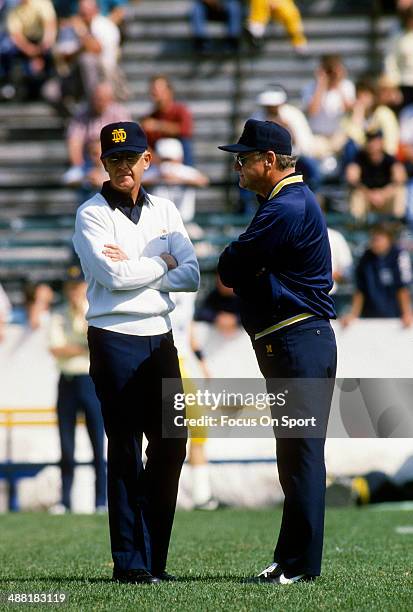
301	351
128	371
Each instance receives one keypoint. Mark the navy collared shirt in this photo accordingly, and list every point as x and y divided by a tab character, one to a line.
280	266
123	201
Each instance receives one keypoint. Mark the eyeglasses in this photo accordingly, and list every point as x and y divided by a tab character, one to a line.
130	158
241	159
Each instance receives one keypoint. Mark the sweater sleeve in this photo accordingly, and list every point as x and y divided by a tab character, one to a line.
185	277
90	236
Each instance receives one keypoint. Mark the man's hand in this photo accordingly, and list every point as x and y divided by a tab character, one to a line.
114	252
169	260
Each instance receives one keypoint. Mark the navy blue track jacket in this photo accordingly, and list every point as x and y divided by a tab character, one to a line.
280	266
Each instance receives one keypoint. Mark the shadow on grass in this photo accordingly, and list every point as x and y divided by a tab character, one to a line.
205	578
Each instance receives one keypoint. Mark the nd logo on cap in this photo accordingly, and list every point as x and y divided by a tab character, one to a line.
118	135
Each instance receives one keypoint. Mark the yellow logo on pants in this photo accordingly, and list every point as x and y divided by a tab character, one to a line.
119	135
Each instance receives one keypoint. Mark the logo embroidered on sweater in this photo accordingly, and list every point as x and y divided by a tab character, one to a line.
268	348
164	235
119	135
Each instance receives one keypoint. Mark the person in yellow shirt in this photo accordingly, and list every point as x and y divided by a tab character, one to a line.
31	33
76	392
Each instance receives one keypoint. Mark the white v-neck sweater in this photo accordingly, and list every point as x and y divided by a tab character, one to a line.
132	296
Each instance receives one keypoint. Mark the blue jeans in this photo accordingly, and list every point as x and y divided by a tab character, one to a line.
77	393
231	13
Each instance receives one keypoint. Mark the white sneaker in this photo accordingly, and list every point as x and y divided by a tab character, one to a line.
268	571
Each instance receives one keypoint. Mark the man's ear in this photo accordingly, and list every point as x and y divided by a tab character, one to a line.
147	158
104	164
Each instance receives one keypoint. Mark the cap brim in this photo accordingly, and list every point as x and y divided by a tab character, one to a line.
123	149
237	148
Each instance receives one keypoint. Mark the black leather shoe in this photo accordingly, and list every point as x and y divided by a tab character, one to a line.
165	577
134	576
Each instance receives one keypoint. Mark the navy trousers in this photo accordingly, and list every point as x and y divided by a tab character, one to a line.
77	393
128	371
305	350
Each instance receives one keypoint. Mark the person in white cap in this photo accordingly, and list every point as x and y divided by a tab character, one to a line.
274	106
174	180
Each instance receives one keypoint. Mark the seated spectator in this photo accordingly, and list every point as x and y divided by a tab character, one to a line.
383	276
168	119
87	52
172	179
5	309
325	101
398	62
221	307
85	128
216	10
31	28
283	11
389	94
368	115
114	9
378	180
275	107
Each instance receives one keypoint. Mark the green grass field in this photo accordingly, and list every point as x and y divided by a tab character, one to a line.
367	564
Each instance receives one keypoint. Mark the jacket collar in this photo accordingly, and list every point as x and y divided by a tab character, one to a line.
292	178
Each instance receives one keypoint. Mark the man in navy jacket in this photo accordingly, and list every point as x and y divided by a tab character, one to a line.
280	267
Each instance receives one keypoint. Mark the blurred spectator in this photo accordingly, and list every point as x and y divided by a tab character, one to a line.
284	11
84	129
172	179
378	180
188	348
383	276
373	487
168	119
326	100
221	307
35	312
369	116
5	309
389	94
398	62
341	258
76	391
94	174
406	155
114	9
31	34
216	10
87	52
274	107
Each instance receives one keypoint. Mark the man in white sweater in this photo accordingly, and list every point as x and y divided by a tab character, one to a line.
134	250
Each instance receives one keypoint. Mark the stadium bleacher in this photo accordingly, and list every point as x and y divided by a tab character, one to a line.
37	211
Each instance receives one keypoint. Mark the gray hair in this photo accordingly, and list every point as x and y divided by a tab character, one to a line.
284	162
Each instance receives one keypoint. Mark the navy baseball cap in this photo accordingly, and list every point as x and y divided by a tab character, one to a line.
262	136
122	136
